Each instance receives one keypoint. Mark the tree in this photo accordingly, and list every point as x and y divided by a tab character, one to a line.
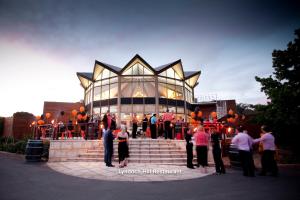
245	109
283	91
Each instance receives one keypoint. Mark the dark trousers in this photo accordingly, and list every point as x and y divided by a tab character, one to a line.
109	153
153	131
202	155
247	162
218	160
134	129
268	162
189	154
168	130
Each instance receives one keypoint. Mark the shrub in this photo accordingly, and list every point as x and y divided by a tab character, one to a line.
20	146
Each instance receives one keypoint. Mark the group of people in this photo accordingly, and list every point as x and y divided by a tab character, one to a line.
201	140
164	126
244	143
109	125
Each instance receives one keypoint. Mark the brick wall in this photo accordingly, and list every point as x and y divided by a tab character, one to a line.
55	109
8	126
21	124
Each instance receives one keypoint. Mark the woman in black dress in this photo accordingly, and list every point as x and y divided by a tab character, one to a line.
123	150
134	125
145	124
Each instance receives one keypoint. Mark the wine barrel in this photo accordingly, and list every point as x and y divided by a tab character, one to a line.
234	156
34	150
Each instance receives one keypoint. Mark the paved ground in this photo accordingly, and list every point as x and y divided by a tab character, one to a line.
133	172
21	180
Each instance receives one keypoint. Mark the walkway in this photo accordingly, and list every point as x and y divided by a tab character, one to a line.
36	181
133	172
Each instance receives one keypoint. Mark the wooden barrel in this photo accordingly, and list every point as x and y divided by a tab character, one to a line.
234	156
34	150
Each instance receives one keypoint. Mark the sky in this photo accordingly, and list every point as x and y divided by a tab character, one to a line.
44	43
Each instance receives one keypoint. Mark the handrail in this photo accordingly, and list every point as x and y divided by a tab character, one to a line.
91	130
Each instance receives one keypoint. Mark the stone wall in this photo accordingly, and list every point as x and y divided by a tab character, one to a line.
62	150
8	127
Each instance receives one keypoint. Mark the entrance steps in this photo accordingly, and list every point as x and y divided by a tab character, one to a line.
154	151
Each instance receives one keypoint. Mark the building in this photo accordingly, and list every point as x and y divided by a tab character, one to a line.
139	88
60	111
220	106
18	126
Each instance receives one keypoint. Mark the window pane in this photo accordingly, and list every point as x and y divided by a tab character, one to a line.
126	90
147	71
180	110
179	92
162	109
114	90
164	73
149	108
105	82
149	78
113	109
162	90
172	109
170	73
114	80
98	83
179	83
126	79
104	109
138	108
105	74
126	108
97	93
162	80
105	92
171	81
149	89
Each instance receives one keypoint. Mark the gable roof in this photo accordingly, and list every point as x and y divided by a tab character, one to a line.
85	78
190	77
137	57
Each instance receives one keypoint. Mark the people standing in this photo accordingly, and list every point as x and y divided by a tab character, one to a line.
268	162
113	122
167	118
160	127
123	150
134	125
189	148
107	139
201	140
153	121
178	129
244	144
109	147
145	124
216	150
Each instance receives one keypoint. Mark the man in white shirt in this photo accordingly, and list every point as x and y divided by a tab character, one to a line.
268	162
244	144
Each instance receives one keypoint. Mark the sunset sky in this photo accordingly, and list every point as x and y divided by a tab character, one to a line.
44	43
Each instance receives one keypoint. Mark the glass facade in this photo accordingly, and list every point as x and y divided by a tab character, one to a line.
138	88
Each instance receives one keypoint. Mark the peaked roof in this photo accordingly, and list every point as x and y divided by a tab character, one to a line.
190	77
85	78
86	75
137	57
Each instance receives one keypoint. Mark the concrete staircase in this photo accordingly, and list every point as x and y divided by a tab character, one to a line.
159	151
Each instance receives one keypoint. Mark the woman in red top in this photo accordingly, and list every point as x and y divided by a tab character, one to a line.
201	140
